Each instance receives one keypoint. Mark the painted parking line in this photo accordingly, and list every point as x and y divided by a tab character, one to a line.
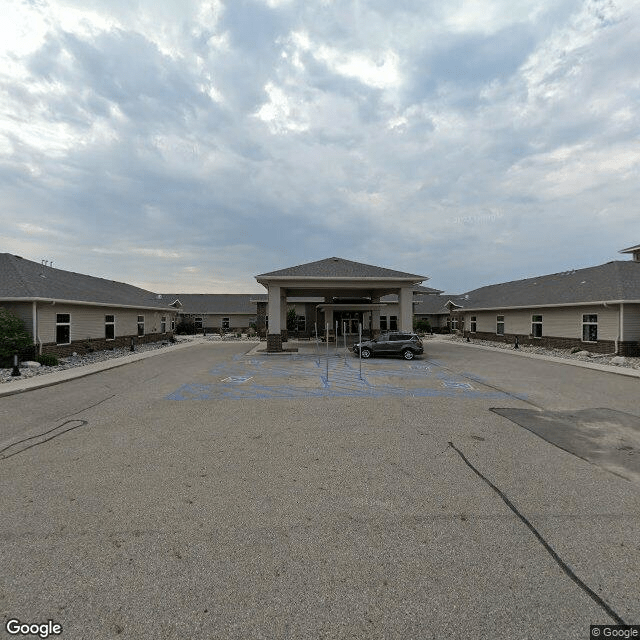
313	376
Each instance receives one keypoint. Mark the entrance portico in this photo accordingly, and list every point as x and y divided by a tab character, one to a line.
345	286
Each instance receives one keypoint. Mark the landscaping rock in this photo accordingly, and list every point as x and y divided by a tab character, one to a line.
31	364
619	360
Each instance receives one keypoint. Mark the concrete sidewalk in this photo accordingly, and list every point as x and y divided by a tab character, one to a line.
57	377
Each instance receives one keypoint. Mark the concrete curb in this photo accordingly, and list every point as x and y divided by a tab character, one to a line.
58	377
632	373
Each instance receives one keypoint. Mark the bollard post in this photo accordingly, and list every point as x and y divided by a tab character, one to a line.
15	371
327	336
360	349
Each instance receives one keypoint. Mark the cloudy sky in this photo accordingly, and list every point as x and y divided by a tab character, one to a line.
185	145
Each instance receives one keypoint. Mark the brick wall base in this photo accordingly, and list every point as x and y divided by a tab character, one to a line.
274	342
602	346
100	344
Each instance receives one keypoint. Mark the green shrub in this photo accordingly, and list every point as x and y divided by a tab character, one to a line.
48	360
13	336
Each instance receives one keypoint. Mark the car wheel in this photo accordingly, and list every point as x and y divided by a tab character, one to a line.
407	354
365	353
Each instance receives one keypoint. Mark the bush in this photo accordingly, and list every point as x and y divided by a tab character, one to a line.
14	338
186	326
423	326
48	360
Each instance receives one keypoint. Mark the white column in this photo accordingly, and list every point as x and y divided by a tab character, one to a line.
375	317
275	303
283	309
405	302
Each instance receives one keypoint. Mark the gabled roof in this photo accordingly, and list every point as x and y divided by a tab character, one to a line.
225	303
340	268
437	305
428	290
610	282
22	279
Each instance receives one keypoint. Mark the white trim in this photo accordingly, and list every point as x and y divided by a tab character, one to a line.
561	304
88	304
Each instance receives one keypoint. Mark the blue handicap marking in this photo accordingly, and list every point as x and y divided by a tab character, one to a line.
452	384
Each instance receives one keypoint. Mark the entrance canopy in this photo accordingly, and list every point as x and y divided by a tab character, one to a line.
337	281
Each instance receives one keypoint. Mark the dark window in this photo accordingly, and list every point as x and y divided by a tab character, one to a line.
590	327
197	323
225	323
140	325
383	323
109	327
163	324
393	323
473	324
63	328
500	325
301	323
536	326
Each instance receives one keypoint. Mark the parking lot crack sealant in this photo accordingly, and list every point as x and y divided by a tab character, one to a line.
559	561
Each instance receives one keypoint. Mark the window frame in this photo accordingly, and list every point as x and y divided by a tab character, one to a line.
225	323
589	323
536	324
383	323
140	326
393	323
109	324
500	322
198	322
301	323
473	324
163	324
62	323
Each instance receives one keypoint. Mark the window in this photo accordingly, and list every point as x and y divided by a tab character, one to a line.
109	327
301	324
536	326
500	325
473	324
590	327
140	325
197	322
225	323
63	328
163	324
454	324
173	324
383	323
393	323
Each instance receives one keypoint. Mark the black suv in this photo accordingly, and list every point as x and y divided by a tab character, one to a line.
393	343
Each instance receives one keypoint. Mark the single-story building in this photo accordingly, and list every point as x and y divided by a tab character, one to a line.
218	312
596	309
66	311
350	292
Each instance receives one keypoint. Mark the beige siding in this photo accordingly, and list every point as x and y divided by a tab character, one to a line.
89	322
557	322
631	326
23	310
236	321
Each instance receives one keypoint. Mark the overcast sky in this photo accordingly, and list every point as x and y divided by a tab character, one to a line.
188	146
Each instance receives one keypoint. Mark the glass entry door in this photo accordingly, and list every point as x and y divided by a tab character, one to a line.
348	322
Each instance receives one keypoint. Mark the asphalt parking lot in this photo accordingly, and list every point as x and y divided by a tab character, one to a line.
217	493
